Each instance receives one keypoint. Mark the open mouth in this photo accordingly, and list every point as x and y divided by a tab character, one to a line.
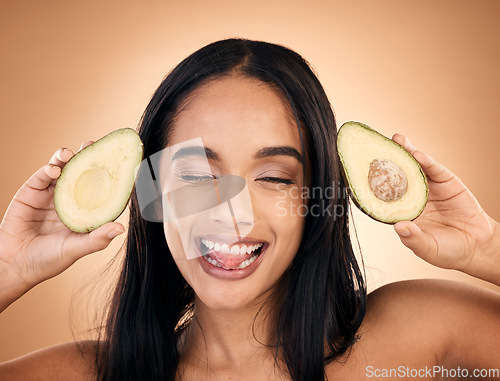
230	257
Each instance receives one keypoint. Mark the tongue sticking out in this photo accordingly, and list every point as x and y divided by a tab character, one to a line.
229	261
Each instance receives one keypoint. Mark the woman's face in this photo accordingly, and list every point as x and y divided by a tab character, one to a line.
244	247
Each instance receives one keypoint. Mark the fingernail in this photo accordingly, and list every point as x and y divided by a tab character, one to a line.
115	233
405	232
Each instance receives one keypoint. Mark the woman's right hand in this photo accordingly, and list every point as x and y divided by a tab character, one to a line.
34	244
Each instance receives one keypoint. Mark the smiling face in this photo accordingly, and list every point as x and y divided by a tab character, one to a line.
247	130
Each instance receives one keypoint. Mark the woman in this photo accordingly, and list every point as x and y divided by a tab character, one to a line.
299	309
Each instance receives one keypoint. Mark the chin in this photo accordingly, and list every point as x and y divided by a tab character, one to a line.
226	299
222	294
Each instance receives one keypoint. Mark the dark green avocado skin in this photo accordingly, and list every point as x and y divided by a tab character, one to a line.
348	183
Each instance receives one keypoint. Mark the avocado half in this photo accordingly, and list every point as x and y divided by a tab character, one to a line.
95	185
385	181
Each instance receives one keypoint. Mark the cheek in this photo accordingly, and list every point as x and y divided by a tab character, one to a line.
180	242
288	209
173	238
178	232
176	248
285	215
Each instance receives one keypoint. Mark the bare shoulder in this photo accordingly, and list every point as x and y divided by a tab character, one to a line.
430	303
69	361
420	323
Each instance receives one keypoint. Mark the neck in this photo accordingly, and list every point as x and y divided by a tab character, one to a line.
231	339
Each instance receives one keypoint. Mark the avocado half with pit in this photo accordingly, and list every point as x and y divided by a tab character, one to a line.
95	185
385	181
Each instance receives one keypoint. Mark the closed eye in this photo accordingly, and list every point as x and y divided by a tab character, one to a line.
276	180
196	178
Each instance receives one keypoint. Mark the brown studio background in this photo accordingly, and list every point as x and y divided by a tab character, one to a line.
74	71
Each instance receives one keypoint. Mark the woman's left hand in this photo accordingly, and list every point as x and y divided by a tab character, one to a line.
453	231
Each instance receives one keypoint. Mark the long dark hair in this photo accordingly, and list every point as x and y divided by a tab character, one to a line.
324	294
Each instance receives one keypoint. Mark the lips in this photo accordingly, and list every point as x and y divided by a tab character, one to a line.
229	258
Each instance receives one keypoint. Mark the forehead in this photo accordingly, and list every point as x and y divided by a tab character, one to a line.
236	109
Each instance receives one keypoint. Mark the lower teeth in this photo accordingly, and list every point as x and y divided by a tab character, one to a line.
242	265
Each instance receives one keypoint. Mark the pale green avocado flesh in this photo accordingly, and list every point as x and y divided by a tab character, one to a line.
95	185
385	181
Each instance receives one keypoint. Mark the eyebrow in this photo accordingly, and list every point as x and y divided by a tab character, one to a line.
195	151
260	154
279	151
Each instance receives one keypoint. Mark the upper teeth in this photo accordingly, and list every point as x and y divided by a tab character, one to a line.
234	249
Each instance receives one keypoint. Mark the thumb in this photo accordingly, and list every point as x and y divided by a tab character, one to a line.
97	239
421	243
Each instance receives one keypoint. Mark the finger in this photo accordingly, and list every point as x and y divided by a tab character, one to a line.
96	240
421	243
101	237
42	178
61	157
403	141
434	170
85	145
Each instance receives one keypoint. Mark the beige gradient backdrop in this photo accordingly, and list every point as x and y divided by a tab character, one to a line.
75	70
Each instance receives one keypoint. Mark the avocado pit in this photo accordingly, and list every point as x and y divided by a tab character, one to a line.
387	180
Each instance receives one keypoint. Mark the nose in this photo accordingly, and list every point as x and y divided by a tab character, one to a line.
227	202
235	209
